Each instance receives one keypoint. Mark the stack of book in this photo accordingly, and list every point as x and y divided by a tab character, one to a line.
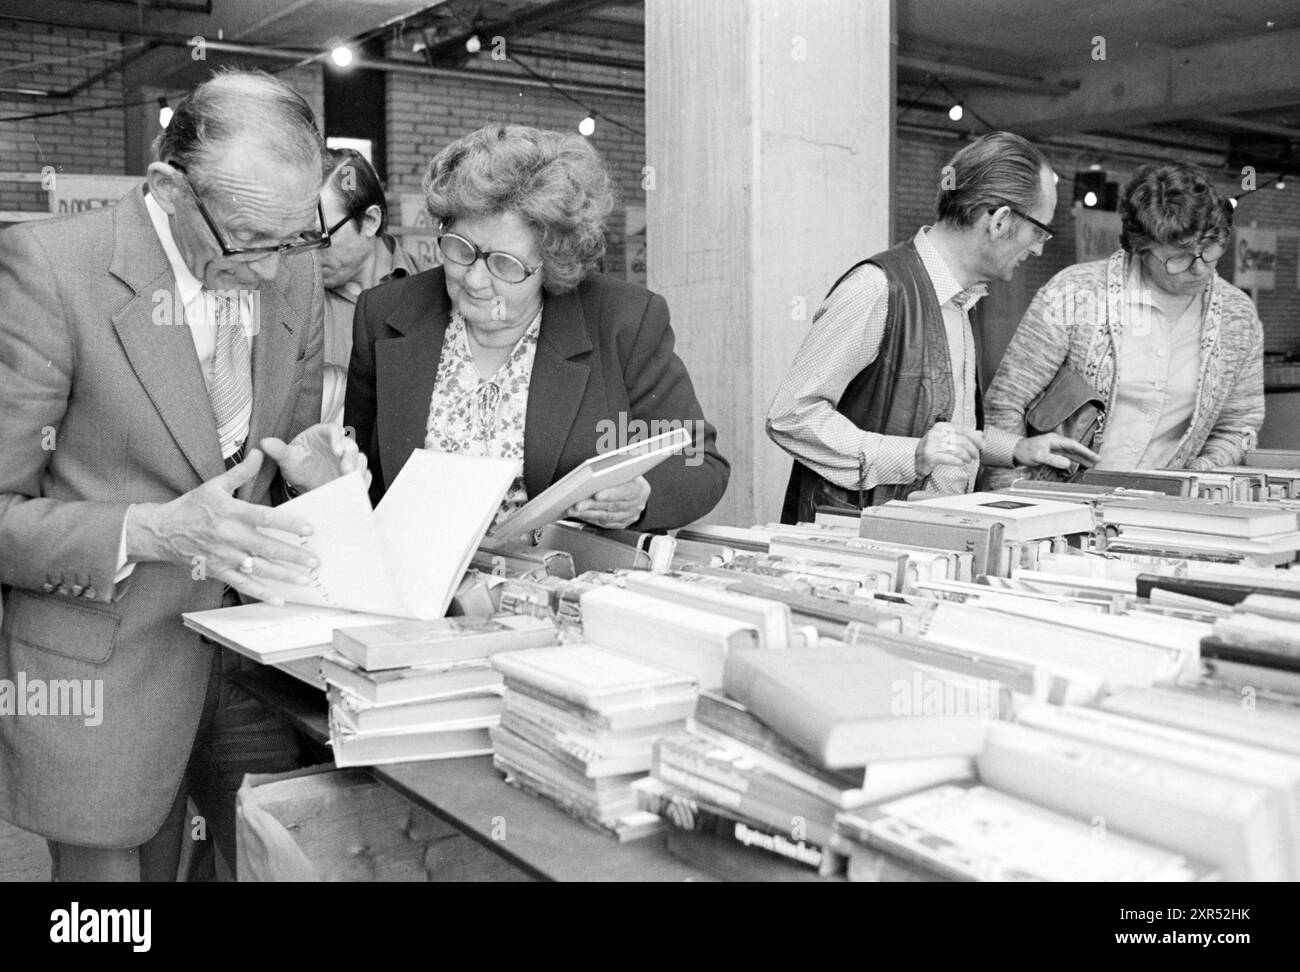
1258	645
805	734
420	689
967	831
1238	484
680	636
1265	532
732	778
579	727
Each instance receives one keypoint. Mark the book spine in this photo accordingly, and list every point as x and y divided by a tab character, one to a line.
690	813
784	711
711	783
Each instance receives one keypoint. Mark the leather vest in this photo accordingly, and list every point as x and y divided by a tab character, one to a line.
904	391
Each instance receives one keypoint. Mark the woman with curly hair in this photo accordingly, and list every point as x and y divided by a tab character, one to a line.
1174	351
515	347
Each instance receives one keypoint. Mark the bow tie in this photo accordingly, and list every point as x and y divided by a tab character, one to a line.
966	299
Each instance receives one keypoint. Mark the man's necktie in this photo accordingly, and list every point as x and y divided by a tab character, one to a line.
231	388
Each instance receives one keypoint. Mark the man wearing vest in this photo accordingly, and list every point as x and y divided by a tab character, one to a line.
882	399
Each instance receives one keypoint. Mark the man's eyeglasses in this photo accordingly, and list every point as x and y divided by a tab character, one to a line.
503	266
1184	261
312	240
1044	231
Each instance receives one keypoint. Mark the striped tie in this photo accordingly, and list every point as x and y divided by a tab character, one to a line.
231	387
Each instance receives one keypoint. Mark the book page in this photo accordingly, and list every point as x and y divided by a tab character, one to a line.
405	558
354	573
431	521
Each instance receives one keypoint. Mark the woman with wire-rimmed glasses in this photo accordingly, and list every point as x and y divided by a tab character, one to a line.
515	347
1174	351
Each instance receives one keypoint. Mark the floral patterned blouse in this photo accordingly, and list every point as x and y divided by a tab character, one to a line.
480	416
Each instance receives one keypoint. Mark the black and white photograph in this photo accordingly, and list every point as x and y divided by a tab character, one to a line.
646	442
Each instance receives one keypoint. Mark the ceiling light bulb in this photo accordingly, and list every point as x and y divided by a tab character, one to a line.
955	112
1090	198
473	44
342	56
587	126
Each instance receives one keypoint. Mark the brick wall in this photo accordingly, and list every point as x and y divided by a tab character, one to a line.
92	142
425	113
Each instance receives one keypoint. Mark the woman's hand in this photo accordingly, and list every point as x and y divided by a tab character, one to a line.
316	456
1053	449
613	508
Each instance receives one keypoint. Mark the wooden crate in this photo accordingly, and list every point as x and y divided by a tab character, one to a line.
327	824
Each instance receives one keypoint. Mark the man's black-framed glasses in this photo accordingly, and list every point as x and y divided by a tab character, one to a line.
504	266
312	240
1185	260
1045	232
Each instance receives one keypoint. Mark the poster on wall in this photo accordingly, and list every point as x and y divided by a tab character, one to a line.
1254	257
78	193
1096	234
417	234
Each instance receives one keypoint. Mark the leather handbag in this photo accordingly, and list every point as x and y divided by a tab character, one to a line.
1068	405
1071	407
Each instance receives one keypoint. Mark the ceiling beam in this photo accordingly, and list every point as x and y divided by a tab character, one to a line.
959	72
545	17
1246	74
1247	125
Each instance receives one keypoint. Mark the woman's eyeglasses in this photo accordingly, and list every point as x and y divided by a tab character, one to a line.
503	266
1184	261
312	240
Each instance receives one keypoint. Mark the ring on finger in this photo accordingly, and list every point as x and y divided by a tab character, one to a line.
247	565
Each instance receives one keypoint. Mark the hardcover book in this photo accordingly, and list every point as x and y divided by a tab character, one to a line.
405	643
847	707
1022	517
969	832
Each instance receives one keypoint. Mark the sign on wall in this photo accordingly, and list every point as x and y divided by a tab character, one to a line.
1096	234
417	232
77	193
1254	254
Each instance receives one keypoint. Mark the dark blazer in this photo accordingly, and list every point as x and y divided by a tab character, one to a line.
604	359
103	404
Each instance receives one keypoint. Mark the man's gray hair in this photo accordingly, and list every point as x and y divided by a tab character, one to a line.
997	169
236	106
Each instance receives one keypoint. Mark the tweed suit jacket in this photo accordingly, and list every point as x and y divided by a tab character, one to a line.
103	404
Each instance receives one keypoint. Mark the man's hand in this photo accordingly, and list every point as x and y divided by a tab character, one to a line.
316	456
208	530
947	445
1053	449
613	508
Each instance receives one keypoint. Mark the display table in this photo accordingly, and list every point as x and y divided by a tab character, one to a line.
529	833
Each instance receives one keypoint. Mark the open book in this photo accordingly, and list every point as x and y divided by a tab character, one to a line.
597	473
402	559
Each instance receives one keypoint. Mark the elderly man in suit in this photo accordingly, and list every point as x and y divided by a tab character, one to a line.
145	351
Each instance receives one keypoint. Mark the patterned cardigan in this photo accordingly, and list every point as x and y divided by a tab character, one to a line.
1078	319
